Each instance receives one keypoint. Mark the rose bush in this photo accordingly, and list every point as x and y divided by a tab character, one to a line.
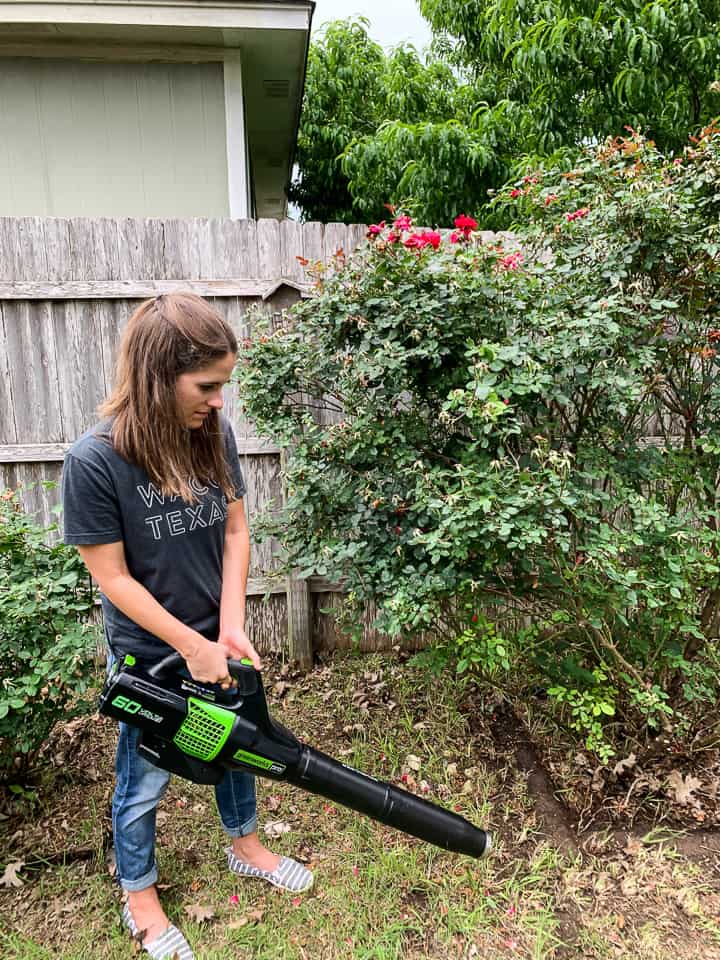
514	445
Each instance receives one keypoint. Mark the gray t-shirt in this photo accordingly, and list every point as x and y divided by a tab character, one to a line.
173	548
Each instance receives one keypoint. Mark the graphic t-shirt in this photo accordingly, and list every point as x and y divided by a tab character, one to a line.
173	548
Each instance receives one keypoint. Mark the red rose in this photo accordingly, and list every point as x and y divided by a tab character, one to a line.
465	223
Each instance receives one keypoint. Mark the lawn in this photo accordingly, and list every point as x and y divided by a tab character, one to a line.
546	892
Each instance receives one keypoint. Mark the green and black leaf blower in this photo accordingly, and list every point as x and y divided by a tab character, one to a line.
199	732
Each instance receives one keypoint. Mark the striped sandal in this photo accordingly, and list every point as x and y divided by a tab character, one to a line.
170	945
288	875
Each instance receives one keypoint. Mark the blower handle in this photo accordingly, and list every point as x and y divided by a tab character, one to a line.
173	661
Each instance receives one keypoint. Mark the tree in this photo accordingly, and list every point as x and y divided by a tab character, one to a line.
584	69
508	86
379	128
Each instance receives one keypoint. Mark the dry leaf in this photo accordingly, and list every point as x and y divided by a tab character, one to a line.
199	913
273	802
254	916
633	846
10	877
275	828
622	765
629	887
682	788
413	762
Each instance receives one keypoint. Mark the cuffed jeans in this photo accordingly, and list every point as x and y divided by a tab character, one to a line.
138	790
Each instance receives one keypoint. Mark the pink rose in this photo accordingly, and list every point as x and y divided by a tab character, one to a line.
403	223
511	262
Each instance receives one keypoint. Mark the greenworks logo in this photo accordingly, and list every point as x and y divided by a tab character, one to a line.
123	703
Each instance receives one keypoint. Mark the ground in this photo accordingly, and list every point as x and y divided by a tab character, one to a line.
561	883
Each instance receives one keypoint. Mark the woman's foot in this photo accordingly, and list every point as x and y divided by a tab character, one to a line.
147	913
249	858
250	850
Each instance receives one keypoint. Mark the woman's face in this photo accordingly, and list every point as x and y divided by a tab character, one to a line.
200	391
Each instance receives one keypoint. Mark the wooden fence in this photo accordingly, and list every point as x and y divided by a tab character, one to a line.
67	288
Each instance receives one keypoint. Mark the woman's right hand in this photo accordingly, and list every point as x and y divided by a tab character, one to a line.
208	664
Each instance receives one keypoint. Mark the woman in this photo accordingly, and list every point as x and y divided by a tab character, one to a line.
153	498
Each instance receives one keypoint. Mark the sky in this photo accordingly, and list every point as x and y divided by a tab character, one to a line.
391	21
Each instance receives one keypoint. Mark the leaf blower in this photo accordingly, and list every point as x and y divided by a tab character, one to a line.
199	731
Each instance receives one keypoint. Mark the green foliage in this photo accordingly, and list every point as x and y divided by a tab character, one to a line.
504	85
45	597
582	70
491	480
377	127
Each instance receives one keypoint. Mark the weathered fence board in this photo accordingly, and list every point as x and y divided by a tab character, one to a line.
67	287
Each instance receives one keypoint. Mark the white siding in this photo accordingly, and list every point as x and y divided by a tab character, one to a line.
112	139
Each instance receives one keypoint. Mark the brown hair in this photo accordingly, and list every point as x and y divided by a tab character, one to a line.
171	334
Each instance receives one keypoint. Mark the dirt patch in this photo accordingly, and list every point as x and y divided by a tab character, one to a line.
557	822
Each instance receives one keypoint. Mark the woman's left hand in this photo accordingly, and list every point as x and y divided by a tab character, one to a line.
236	645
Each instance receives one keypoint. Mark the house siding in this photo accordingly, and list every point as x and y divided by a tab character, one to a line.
112	139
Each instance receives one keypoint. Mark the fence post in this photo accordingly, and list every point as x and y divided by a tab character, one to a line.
299	620
299	611
297	591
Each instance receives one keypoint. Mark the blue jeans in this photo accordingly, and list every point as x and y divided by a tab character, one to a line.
138	789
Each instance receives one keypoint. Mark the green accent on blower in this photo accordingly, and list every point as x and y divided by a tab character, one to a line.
129	660
123	703
253	759
204	731
247	661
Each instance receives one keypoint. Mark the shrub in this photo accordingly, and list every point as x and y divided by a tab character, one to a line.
491	478
45	600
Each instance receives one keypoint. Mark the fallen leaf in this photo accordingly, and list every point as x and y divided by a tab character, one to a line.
199	913
254	916
622	765
10	877
413	762
683	787
276	828
633	847
273	803
629	887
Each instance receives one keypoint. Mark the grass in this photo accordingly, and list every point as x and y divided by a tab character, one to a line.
379	895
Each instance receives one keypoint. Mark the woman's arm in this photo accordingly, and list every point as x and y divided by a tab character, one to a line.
236	563
206	662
